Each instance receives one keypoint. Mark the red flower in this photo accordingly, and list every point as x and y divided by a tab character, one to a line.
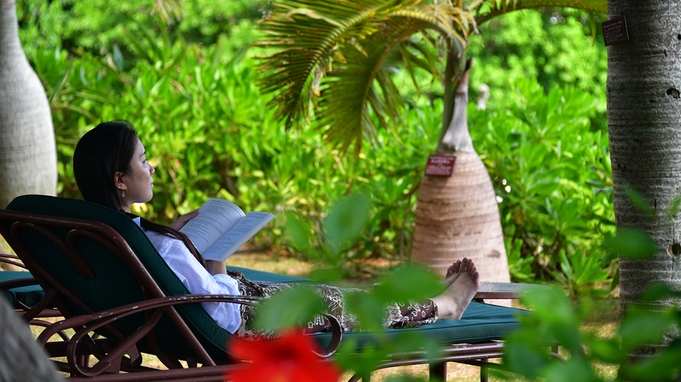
288	358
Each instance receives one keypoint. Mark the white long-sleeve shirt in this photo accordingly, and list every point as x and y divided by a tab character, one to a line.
197	279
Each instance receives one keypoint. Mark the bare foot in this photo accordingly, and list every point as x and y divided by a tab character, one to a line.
459	294
453	272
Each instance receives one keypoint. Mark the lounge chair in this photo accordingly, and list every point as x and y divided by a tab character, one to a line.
102	273
22	291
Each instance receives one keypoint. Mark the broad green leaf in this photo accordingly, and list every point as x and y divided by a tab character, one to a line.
345	219
641	327
297	232
289	308
631	243
408	283
638	202
574	369
368	309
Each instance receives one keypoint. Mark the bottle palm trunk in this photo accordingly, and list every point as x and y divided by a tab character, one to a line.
458	216
28	156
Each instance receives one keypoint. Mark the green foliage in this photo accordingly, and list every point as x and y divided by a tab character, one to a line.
553	179
631	243
555	322
558	47
100	26
210	133
645	346
345	219
299	305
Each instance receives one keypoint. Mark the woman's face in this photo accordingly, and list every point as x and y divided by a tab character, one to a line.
137	184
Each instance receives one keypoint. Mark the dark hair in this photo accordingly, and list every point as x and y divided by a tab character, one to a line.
99	155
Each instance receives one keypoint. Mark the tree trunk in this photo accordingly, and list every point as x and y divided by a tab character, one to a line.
458	216
28	156
21	358
644	124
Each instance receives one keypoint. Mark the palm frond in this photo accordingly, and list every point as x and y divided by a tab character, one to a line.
326	59
487	9
305	36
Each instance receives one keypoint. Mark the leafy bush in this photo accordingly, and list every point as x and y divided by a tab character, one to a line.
558	47
553	179
645	345
210	133
555	322
100	26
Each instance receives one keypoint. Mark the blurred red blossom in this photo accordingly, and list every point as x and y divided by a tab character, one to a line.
288	358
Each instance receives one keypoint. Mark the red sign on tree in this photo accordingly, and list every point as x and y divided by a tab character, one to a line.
440	165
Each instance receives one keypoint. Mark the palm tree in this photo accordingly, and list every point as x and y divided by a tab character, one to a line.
644	126
28	154
331	61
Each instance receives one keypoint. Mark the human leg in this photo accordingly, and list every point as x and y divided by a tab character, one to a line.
458	295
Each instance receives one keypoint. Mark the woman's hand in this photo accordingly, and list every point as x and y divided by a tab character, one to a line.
216	267
182	220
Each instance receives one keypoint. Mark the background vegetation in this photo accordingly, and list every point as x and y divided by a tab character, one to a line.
186	81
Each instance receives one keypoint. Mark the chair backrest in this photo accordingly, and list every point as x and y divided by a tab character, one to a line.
99	259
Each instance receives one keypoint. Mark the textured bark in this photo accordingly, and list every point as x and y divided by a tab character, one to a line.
21	358
458	216
644	124
28	156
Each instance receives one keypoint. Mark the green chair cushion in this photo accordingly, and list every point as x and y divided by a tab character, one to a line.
480	323
255	275
28	295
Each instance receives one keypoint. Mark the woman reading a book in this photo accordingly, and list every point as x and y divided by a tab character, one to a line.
111	169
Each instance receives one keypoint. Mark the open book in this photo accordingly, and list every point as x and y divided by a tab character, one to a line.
222	227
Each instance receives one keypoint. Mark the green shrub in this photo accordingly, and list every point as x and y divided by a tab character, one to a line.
210	133
553	179
98	26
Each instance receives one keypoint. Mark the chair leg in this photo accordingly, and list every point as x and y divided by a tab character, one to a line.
484	374
438	371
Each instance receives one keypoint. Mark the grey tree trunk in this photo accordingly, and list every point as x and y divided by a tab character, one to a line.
21	358
28	156
644	123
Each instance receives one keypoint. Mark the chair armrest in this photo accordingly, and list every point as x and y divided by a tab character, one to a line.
94	321
503	291
89	322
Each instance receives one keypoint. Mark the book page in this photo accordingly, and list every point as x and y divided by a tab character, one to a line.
216	217
245	229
